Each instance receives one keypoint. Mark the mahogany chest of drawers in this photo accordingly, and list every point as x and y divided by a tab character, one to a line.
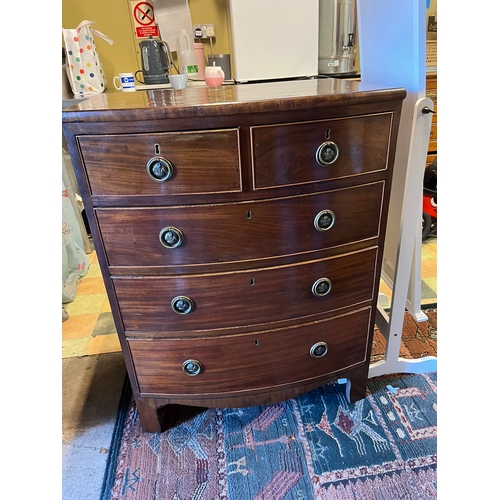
240	234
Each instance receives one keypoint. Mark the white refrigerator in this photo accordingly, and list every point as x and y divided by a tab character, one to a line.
274	39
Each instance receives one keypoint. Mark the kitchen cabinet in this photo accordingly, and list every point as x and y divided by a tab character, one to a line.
240	232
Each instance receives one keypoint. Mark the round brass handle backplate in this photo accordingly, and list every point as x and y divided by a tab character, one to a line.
324	220
327	154
319	349
159	169
171	237
191	367
321	287
182	304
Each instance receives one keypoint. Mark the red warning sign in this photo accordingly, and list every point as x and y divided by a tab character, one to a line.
144	19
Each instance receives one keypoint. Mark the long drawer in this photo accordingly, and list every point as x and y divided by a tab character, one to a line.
187	235
287	154
201	162
198	302
250	361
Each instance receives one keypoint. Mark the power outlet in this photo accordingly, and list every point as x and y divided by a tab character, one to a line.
204	31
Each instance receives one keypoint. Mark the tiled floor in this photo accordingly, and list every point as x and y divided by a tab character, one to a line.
429	271
90	328
428	274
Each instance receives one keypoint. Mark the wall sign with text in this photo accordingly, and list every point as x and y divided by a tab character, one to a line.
144	19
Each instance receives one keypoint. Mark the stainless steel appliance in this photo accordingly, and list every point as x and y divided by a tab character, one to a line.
156	60
337	37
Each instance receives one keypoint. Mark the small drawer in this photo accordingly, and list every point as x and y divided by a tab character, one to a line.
251	361
233	232
198	302
169	163
301	153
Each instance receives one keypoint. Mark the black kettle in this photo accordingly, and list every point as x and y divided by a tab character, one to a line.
156	60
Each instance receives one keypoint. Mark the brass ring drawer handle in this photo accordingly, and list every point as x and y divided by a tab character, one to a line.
182	304
191	367
321	287
171	237
319	349
159	169
327	154
324	220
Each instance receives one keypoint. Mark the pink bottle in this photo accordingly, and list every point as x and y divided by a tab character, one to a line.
200	59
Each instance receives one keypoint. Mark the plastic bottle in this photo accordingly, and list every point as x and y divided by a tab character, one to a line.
200	59
186	55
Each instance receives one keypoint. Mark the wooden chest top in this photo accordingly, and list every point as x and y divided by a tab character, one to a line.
200	102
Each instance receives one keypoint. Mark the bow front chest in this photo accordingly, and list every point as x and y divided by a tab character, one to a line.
240	234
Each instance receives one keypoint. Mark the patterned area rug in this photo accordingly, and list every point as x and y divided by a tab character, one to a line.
316	446
417	340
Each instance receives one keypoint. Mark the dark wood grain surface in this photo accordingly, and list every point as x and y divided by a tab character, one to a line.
245	189
260	360
254	297
237	232
199	102
203	162
286	153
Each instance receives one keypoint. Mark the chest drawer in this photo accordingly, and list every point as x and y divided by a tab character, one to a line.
256	361
187	235
251	297
199	162
287	154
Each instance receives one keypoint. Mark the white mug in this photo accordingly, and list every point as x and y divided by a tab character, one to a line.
127	83
178	81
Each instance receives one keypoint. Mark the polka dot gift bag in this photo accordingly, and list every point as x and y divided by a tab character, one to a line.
83	67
